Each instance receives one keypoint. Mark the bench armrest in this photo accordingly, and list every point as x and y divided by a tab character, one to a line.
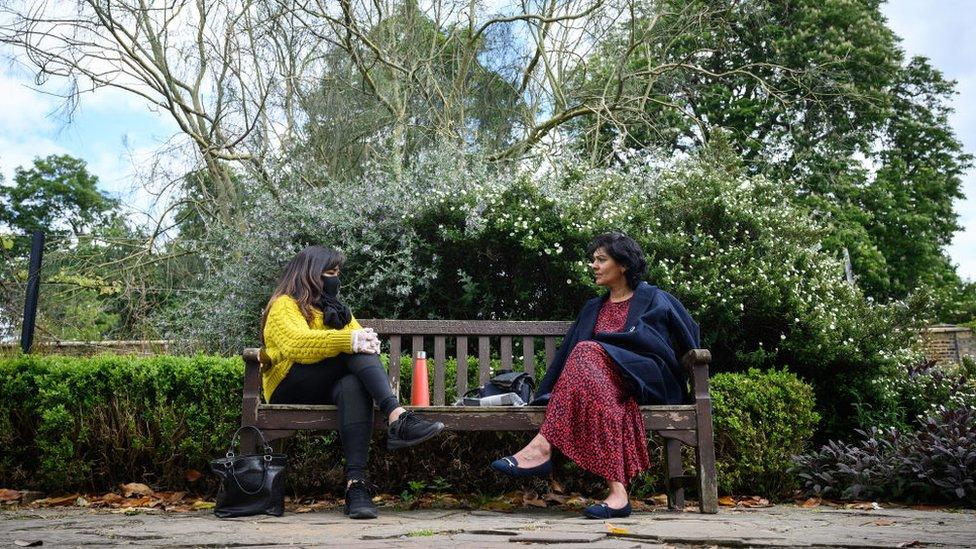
252	382
696	363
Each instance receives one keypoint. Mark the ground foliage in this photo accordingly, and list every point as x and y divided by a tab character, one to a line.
934	461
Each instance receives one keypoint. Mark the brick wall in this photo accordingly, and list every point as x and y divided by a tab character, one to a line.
947	343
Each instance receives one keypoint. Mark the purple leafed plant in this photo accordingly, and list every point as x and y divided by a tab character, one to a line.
936	463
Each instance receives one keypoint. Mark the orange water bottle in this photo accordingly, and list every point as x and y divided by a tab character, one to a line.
420	392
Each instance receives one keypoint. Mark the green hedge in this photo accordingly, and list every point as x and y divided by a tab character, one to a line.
86	423
762	419
71	423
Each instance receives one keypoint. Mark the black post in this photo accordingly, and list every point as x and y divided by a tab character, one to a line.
33	286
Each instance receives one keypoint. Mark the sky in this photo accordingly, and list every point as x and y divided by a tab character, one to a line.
945	32
118	135
113	131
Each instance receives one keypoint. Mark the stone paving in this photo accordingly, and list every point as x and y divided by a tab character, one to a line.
778	526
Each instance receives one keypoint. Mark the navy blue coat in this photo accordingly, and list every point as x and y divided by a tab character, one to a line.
658	332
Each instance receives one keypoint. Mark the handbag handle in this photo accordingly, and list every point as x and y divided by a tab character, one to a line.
237	433
229	464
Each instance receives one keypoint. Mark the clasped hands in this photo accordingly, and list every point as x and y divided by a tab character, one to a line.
365	341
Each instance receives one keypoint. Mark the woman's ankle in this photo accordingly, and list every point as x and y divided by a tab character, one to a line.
541	446
396	413
617	497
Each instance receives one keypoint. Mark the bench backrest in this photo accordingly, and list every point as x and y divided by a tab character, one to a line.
458	334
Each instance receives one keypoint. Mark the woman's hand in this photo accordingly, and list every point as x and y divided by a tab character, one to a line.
365	341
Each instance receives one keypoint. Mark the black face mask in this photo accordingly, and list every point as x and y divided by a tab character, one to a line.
334	313
330	285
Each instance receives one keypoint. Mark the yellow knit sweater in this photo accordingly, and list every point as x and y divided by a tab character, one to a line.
289	338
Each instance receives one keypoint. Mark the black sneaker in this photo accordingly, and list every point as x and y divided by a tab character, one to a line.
410	429
359	501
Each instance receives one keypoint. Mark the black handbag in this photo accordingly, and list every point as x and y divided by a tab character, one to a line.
250	484
506	381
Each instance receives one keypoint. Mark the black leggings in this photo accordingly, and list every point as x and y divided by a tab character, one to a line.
352	383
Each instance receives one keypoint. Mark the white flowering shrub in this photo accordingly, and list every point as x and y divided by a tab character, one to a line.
454	237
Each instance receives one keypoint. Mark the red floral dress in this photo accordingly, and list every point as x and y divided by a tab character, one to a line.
592	416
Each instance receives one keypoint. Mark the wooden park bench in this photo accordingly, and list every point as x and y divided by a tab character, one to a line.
689	424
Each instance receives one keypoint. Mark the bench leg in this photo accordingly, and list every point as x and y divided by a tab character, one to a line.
672	469
707	479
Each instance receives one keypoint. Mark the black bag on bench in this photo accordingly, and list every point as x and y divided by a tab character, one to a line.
520	384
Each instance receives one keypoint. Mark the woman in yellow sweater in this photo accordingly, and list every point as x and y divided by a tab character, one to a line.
321	355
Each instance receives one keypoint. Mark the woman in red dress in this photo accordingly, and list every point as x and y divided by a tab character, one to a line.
618	354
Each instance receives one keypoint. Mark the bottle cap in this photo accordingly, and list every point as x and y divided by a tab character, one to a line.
421	354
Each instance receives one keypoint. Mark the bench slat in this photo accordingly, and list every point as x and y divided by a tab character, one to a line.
506	352
462	366
416	344
550	350
528	355
438	399
467	327
395	365
484	360
461	418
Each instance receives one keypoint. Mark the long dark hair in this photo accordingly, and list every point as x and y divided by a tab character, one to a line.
302	279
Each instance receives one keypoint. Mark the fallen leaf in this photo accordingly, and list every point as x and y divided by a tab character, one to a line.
192	475
639	505
755	501
556	486
575	502
497	505
111	498
168	497
726	501
660	499
880	522
616	530
57	501
201	504
136	488
558	499
811	502
303	509
532	499
864	505
136	502
82	502
513	497
27	543
7	495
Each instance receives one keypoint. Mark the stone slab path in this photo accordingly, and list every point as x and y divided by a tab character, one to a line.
778	526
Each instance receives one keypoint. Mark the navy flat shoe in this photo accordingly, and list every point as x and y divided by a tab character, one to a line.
509	466
604	511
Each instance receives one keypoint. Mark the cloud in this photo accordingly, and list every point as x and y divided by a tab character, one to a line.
113	131
26	122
